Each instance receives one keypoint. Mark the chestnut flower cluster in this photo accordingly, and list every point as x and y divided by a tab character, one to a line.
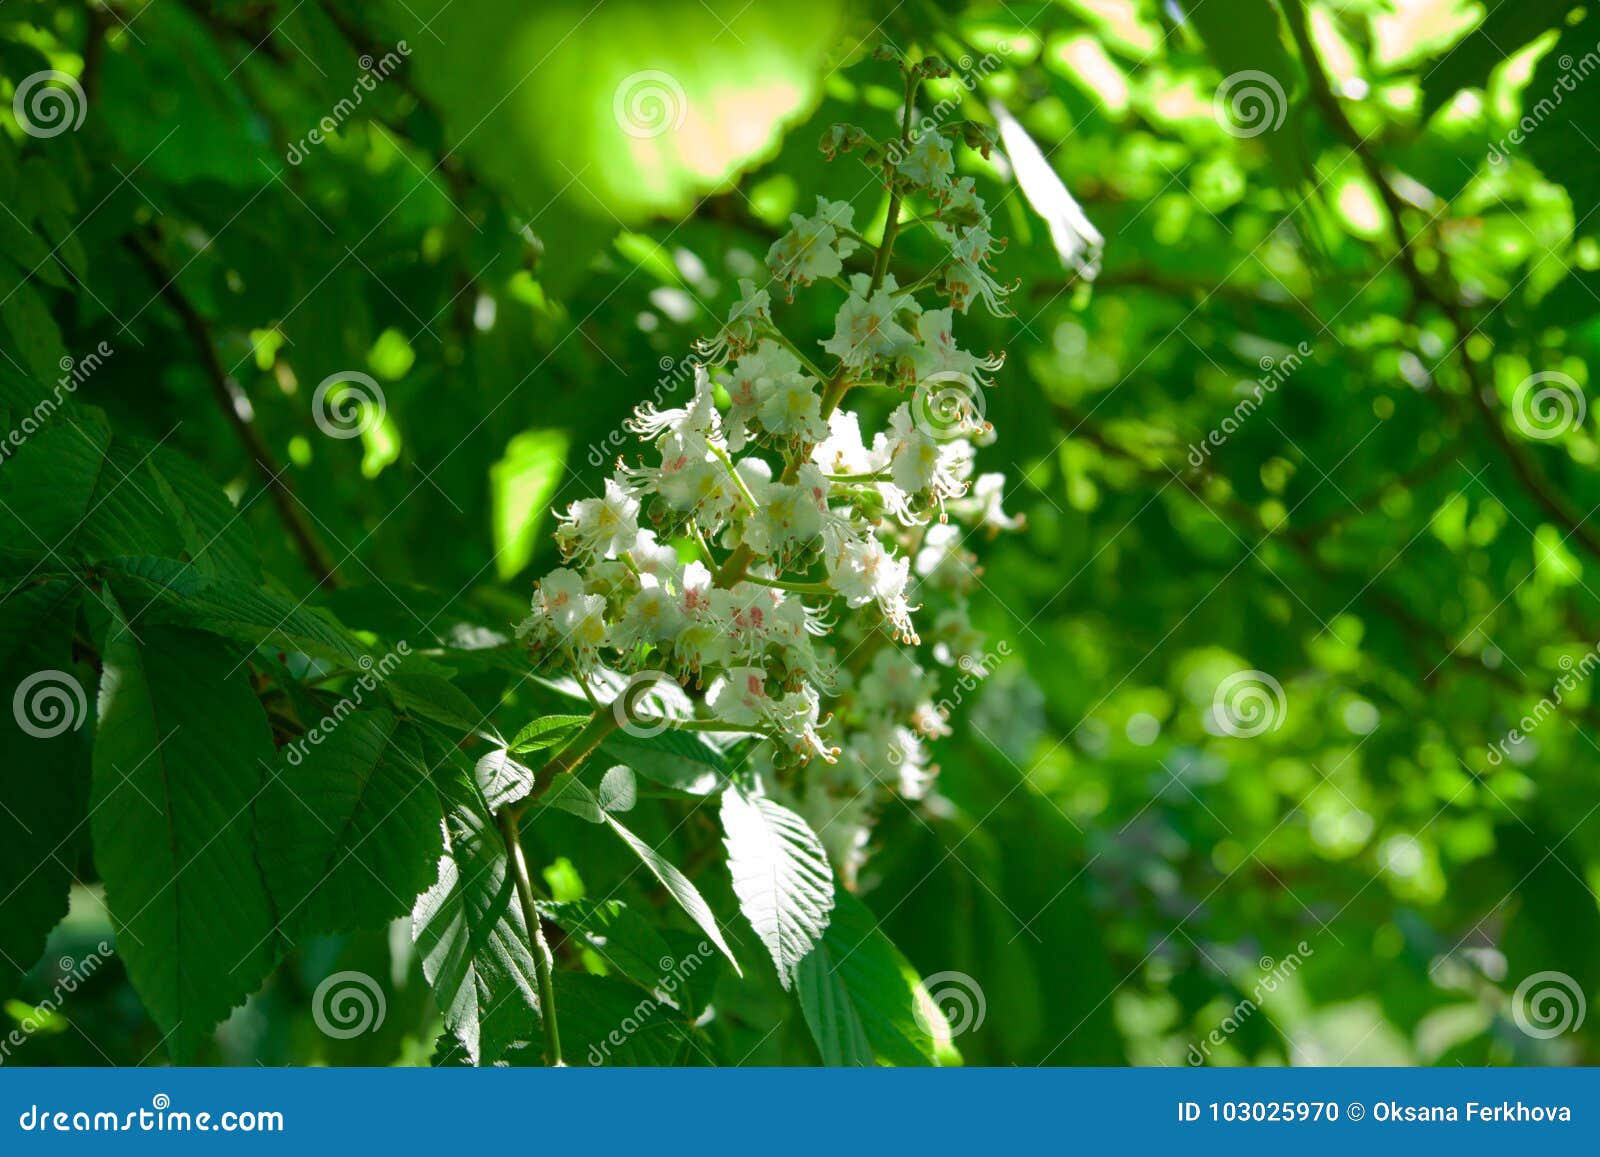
805	580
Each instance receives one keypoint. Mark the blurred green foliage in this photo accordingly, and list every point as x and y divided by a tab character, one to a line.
1396	529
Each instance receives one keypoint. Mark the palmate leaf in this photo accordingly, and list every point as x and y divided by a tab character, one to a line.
471	934
179	760
780	874
43	788
864	1002
350	827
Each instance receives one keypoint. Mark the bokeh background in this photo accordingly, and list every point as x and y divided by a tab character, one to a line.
1369	224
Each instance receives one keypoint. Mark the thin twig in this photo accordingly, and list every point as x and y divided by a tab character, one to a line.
234	404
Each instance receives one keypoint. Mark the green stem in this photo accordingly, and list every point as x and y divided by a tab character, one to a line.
543	959
603	723
798	588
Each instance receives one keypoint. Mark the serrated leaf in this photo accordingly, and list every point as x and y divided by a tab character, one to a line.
43	789
548	731
856	966
618	791
780	874
502	778
474	941
349	826
160	591
179	758
676	759
433	697
571	795
608	1022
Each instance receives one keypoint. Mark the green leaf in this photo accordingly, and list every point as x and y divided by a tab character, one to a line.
43	789
474	941
214	533
649	121
161	591
502	779
680	760
1563	116
178	764
1508	27
623	940
856	968
677	885
571	795
47	484
520	486
548	731
433	697
780	874
349	826
608	1022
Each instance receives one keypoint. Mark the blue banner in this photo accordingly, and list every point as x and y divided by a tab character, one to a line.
786	1111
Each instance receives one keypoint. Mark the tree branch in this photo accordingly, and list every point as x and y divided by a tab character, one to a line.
235	405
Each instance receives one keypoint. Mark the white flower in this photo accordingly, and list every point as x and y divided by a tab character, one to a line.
864	571
983	507
599	527
929	164
754	379
792	409
786	517
923	465
936	352
698	419
740	696
565	615
749	315
865	327
815	246
652	616
842	451
967	275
